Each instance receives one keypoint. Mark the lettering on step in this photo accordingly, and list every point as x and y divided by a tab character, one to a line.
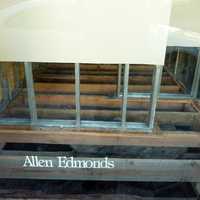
68	162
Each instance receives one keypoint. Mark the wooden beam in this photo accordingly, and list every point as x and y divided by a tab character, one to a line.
55	136
68	78
95	67
98	88
105	101
87	66
142	170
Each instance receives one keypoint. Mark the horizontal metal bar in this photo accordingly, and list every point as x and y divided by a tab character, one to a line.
15	121
174	96
161	96
141	127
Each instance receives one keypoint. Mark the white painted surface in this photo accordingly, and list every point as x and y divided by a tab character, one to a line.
85	31
185	23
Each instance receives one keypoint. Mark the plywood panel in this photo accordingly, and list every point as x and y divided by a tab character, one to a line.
86	31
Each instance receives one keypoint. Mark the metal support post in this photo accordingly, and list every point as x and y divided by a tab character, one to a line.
157	76
77	94
125	95
30	91
17	76
195	85
119	81
177	62
170	60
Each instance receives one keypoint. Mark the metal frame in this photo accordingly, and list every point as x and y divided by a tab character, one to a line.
78	123
94	124
195	84
157	75
194	91
122	92
177	62
196	79
99	125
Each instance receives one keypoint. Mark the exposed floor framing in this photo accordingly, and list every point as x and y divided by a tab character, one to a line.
170	153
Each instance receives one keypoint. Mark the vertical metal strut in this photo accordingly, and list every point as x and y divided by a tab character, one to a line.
17	78
30	91
157	76
177	62
125	95
195	84
77	94
119	80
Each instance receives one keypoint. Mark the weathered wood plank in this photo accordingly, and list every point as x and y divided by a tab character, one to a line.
98	88
145	170
66	78
87	66
105	101
56	136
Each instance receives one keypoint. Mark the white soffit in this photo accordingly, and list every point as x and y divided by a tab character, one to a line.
84	31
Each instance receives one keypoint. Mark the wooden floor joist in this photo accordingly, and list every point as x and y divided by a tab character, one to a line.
109	79
105	101
171	117
98	88
53	136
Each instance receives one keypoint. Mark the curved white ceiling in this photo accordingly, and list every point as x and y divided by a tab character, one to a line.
91	31
185	23
96	31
